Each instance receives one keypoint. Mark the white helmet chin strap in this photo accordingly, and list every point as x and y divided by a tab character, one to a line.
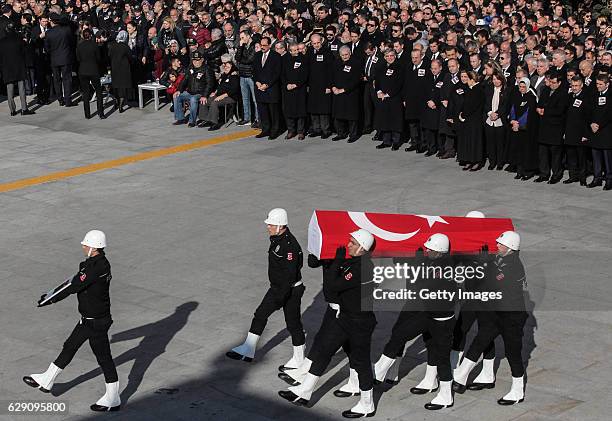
359	250
89	252
278	229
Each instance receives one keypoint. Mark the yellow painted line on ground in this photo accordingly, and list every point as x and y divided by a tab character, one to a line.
114	163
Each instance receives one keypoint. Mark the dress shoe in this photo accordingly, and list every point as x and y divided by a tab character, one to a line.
101	408
273	136
477	167
27	112
411	148
325	135
595	183
511	168
301	136
215	127
491	167
351	414
352	139
14	113
506	402
179	122
430	153
288	379
314	134
499	167
293	398
459	388
255	125
102	116
570	180
435	406
541	179
262	135
290	135
242	123
554	180
527	177
191	125
583	182
608	186
468	167
337	138
480	386
448	155
518	177
343	394
239	357
383	146
205	123
419	391
395	147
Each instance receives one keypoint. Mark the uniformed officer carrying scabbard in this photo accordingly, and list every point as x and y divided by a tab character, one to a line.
286	290
91	284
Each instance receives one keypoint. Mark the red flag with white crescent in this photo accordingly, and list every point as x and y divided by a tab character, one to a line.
401	234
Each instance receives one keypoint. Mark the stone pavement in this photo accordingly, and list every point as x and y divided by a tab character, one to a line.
188	250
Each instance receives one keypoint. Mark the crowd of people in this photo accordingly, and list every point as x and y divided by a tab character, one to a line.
521	85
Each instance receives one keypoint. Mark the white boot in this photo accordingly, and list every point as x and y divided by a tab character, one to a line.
300	395
455	358
365	406
392	376
296	360
351	388
44	381
381	367
516	394
444	398
486	378
111	401
461	375
246	351
429	382
296	375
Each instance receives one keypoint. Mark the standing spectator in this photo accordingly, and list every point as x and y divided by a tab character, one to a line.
470	145
13	68
294	79
121	73
170	32
227	93
601	137
59	43
42	66
197	32
213	51
345	103
266	75
90	63
388	86
320	80
496	111
431	116
137	44
415	90
198	84
522	151
245	55
577	131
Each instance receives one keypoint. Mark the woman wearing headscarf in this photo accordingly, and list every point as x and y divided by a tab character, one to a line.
523	131
121	73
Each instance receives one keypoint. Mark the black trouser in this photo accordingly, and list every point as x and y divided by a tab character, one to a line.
411	324
296	125
462	327
328	318
62	81
416	137
602	164
496	144
368	106
269	117
346	128
86	90
576	161
356	330
550	158
510	325
291	305
320	124
449	144
391	138
430	140
42	83
96	331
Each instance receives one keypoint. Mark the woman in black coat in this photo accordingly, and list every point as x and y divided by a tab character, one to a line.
470	142
346	99
121	72
13	68
496	123
388	85
523	131
89	58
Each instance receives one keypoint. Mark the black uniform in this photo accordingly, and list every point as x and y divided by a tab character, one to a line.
411	324
506	275
320	79
91	284
286	289
295	71
355	324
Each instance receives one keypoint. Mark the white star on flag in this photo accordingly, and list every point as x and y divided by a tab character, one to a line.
431	220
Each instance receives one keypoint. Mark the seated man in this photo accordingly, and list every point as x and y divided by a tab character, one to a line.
199	82
228	92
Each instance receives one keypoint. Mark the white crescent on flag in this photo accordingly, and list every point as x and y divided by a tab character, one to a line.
361	220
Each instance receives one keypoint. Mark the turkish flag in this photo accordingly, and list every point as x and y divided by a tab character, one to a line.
401	235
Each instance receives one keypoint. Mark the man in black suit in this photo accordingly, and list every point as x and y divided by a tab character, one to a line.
90	60
42	67
266	75
59	45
